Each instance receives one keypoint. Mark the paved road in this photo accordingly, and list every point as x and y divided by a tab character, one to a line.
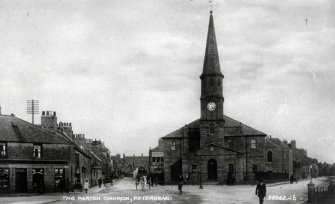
124	191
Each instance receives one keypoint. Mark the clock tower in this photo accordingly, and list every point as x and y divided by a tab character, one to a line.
211	100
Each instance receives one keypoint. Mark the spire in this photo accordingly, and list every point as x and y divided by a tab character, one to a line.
211	62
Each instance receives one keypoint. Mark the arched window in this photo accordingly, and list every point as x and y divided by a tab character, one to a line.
269	156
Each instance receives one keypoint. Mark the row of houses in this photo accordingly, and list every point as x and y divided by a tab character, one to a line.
40	158
126	165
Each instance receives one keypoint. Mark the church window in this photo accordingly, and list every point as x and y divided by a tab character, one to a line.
153	159
162	159
173	145
211	128
269	156
158	159
253	144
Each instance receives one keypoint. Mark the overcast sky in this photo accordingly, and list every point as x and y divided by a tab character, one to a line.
127	72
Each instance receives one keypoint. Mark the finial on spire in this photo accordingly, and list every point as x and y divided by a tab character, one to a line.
211	2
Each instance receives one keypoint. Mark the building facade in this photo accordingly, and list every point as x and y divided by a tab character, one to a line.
214	148
34	159
219	149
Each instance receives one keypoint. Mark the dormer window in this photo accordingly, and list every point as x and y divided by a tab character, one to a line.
37	151
3	149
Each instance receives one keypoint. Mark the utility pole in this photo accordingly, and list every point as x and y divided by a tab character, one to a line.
32	108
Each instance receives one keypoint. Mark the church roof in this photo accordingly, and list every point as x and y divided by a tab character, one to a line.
232	128
13	129
211	62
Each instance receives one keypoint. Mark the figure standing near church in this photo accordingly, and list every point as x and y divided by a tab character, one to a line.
86	185
180	184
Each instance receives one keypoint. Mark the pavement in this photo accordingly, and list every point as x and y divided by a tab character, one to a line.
124	191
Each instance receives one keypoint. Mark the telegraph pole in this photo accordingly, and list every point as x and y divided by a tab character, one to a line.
32	108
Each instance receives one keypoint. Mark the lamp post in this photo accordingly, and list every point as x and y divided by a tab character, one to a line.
149	167
201	187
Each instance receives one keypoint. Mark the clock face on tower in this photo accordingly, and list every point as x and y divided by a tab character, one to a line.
211	106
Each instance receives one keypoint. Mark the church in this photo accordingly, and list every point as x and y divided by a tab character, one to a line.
215	148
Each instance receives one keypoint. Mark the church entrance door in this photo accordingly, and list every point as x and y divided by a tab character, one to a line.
212	170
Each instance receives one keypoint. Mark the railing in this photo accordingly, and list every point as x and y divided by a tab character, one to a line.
320	192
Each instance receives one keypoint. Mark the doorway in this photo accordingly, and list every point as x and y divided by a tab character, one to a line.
38	180
20	180
4	180
212	170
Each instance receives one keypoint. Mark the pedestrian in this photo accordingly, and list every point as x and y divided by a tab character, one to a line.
104	181
187	176
86	185
100	181
61	185
111	182
261	191
180	183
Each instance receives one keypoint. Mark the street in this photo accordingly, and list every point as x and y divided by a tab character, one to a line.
124	191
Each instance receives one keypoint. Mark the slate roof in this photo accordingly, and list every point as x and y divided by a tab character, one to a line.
13	129
229	123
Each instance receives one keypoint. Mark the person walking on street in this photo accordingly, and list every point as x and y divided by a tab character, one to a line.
100	181
86	184
180	184
261	191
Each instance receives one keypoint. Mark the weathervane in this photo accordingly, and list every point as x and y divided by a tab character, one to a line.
211	2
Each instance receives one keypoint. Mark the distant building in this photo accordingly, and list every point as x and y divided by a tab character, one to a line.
302	163
279	156
127	164
99	150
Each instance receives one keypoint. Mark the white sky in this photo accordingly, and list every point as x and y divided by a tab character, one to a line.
127	72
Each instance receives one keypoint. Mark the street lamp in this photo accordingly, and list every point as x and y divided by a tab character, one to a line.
149	167
201	187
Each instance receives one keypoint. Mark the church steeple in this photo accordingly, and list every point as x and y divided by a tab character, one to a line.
211	101
211	79
211	62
